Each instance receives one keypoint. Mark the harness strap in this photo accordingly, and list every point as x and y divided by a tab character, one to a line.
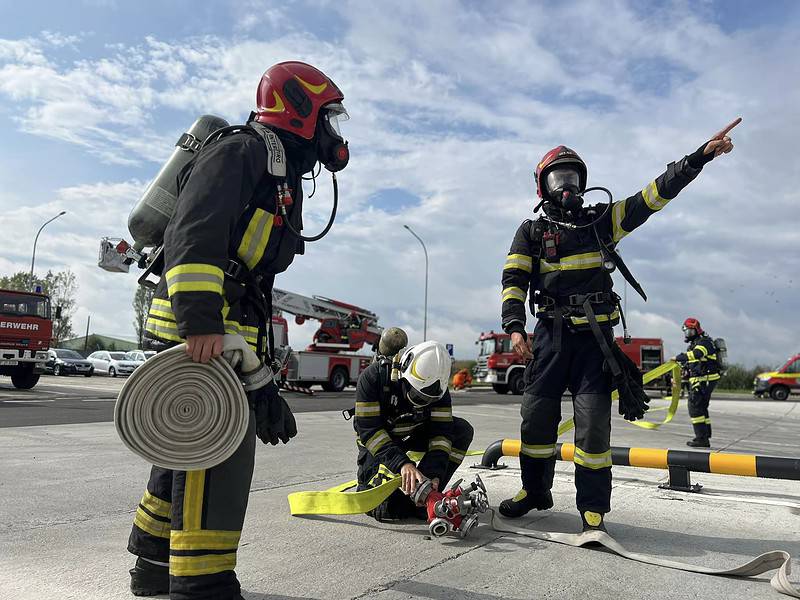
613	364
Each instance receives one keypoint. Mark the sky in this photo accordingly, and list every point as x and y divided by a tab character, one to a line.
452	104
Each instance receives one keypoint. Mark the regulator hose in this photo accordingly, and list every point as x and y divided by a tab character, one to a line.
182	415
592	223
325	231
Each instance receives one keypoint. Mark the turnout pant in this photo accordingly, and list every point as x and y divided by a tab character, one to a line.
699	399
579	367
192	521
371	473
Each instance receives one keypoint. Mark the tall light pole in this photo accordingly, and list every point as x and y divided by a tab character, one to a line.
425	325
33	256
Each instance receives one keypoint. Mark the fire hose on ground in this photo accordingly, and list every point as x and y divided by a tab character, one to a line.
183	415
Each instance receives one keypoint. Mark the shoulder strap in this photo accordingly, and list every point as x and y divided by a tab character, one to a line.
537	228
276	155
610	251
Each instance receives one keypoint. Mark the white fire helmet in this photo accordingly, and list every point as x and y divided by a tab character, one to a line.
426	369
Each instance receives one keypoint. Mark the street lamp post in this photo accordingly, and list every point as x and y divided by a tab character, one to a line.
424	249
33	256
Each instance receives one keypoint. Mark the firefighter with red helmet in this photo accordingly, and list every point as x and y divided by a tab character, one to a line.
563	262
236	224
700	360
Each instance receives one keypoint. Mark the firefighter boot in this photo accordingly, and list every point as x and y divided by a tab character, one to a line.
700	436
592	521
149	579
523	503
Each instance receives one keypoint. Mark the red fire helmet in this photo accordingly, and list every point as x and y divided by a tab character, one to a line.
692	323
290	96
560	155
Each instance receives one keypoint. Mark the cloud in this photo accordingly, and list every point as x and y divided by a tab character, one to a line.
452	106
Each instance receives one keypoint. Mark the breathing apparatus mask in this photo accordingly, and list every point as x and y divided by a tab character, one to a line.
332	150
563	187
689	333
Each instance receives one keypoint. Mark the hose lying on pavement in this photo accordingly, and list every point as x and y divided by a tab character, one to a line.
182	415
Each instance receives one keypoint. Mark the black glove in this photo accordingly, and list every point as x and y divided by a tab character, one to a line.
633	401
274	418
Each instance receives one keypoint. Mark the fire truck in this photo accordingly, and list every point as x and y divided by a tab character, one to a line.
499	365
330	359
26	329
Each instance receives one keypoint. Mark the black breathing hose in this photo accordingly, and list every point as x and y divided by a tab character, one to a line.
330	221
590	224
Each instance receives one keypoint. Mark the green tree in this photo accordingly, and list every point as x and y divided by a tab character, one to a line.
141	306
61	286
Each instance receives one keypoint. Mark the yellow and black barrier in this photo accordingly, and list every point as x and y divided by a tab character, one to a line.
679	462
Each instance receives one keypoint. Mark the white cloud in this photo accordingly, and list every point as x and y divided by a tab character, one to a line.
455	105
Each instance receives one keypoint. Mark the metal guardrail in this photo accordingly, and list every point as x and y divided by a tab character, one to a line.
680	463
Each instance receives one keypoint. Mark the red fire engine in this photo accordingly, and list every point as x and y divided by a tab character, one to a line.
499	365
330	360
26	329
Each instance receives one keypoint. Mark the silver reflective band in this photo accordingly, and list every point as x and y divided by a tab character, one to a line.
257	379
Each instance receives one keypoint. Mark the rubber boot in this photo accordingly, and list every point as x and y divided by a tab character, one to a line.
396	507
699	443
148	579
700	436
523	503
592	521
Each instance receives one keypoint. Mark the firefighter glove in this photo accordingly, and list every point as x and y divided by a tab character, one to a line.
274	418
633	401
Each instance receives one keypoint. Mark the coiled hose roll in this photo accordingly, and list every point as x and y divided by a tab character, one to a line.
182	415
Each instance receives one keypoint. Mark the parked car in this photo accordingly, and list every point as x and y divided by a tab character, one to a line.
112	363
780	383
61	361
139	355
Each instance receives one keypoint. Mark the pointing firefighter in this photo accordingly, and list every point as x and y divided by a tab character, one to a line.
565	259
236	224
702	363
403	405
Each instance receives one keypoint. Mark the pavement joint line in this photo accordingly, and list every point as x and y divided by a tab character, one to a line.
786	414
296	483
113	513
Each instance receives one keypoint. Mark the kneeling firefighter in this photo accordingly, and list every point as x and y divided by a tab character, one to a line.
236	223
702	363
403	405
565	258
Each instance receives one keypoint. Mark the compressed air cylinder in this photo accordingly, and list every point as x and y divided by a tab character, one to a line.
155	208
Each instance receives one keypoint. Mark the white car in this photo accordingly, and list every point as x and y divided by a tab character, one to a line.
139	355
112	363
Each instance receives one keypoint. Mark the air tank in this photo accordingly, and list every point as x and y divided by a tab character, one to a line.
150	216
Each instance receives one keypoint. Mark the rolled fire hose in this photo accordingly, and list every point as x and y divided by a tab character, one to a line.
182	415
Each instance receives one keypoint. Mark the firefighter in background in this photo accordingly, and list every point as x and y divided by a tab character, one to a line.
565	260
403	407
700	360
462	379
222	249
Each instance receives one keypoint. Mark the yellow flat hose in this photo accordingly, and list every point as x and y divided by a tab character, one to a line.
182	415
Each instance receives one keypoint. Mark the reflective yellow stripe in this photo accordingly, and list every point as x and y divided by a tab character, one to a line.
514	293
713	377
707	421
405	429
698	420
701	349
204	539
442	414
256	237
163	329
206	564
368	409
162	303
617	216
440	443
576	262
600	318
590	460
194	490
194	277
519	261
457	456
538	450
378	440
652	198
152	526
155	505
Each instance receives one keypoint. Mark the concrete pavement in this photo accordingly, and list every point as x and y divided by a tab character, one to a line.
68	492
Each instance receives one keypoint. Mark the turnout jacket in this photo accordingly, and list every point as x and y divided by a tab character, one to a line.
384	418
225	212
700	359
576	269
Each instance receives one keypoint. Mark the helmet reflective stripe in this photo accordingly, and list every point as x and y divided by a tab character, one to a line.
426	370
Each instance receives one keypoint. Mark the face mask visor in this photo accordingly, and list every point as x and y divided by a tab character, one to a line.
561	178
335	114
